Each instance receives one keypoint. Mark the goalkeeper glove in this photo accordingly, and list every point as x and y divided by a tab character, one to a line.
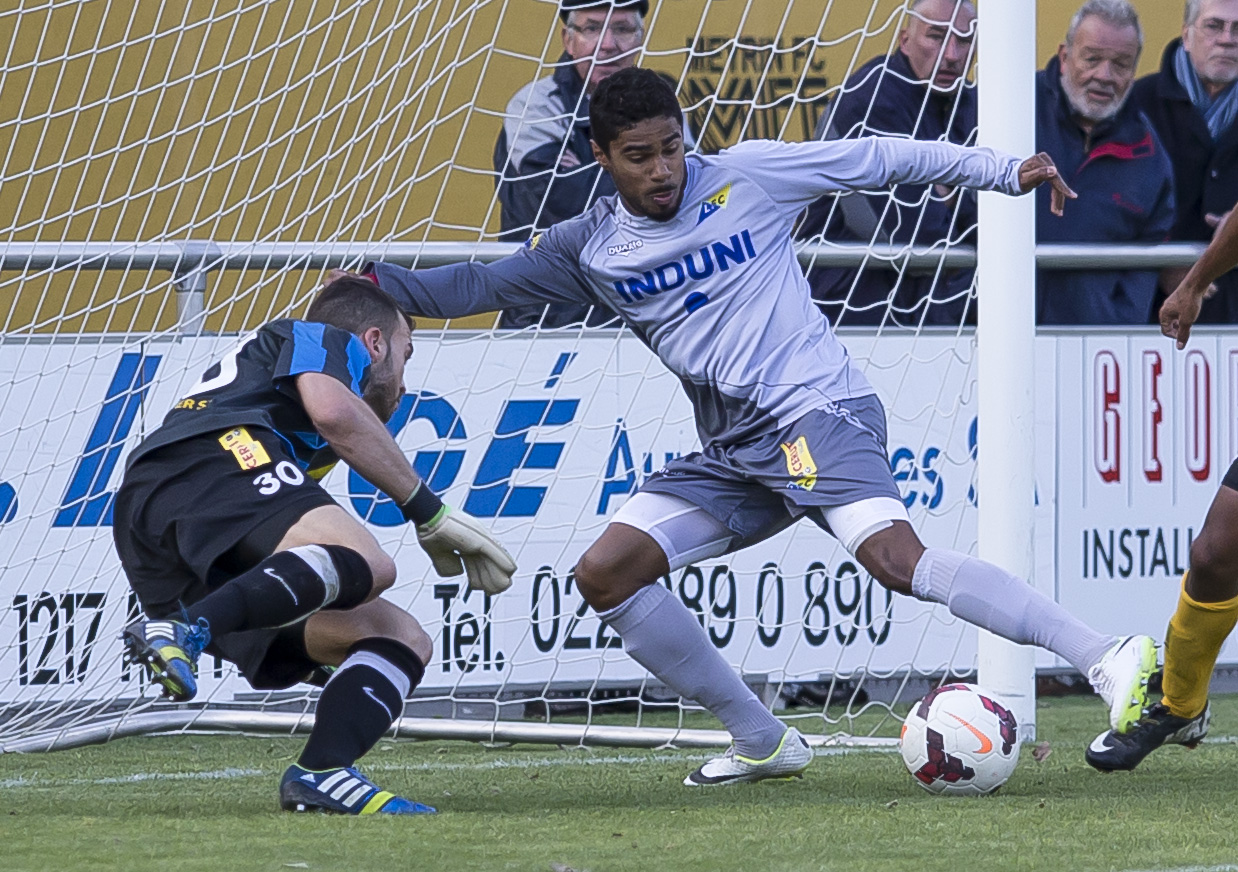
457	543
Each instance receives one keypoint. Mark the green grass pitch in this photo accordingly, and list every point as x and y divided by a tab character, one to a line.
209	803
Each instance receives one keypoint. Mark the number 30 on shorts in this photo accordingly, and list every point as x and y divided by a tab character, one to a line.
285	473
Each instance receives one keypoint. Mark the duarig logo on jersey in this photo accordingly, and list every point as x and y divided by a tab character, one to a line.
692	267
623	249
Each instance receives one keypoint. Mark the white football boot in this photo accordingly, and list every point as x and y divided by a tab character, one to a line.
789	760
1121	679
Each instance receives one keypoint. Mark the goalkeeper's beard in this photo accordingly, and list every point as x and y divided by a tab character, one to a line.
384	391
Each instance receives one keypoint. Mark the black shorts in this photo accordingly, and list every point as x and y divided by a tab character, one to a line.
192	515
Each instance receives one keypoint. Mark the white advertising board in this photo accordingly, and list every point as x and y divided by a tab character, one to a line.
544	438
1144	436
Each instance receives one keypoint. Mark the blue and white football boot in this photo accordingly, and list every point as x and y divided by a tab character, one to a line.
341	791
169	650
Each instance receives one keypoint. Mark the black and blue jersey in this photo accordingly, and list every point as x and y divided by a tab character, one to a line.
253	386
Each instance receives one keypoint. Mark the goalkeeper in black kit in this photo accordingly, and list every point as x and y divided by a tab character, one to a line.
233	548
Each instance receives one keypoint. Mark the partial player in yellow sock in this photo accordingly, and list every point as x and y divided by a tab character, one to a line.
1208	604
1194	638
1206	614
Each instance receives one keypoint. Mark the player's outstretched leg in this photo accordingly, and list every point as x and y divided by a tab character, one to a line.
359	703
1113	751
990	597
618	578
169	650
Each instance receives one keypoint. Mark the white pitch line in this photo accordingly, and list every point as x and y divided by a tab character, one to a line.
565	759
522	763
213	775
625	760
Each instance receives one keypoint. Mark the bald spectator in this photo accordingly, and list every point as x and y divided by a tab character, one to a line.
1107	152
921	92
1193	104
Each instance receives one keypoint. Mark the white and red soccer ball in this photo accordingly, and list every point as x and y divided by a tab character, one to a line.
960	740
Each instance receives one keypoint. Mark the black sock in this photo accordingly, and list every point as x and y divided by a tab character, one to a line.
280	590
360	702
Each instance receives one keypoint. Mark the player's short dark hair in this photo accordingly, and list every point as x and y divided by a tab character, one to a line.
355	304
625	99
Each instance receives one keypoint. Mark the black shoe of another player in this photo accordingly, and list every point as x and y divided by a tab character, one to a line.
1111	751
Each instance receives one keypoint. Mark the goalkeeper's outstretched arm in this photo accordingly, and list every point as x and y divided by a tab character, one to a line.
455	541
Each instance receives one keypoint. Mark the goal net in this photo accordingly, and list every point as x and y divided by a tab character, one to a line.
176	175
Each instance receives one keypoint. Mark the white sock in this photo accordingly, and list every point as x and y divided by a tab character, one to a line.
660	633
989	597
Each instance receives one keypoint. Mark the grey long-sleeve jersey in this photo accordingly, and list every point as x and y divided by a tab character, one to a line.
716	291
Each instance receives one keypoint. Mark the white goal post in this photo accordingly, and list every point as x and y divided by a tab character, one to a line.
1005	336
175	177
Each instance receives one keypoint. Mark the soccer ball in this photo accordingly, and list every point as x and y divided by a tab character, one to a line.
960	740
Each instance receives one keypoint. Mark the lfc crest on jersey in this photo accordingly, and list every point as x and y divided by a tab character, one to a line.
714	203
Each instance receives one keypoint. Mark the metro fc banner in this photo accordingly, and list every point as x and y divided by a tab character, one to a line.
545	438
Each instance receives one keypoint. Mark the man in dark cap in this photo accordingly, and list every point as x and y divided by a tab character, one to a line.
545	164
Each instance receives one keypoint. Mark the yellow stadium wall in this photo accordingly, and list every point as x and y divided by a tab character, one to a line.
294	121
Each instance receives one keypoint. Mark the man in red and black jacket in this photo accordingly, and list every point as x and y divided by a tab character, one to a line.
1107	151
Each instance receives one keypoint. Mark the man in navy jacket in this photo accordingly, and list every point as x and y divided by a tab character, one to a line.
1192	103
546	171
919	91
1108	153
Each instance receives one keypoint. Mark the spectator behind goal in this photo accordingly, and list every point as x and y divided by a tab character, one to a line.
921	92
1193	105
546	171
1107	152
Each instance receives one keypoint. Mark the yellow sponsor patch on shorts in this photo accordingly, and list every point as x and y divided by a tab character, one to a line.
800	465
247	450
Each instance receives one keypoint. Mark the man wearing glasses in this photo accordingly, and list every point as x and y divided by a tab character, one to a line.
546	171
1193	104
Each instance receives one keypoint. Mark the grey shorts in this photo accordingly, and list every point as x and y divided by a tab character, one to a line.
831	466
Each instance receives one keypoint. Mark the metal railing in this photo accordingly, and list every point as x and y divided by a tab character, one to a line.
183	258
190	262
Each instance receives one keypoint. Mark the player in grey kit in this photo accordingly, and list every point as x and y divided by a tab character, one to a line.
695	254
